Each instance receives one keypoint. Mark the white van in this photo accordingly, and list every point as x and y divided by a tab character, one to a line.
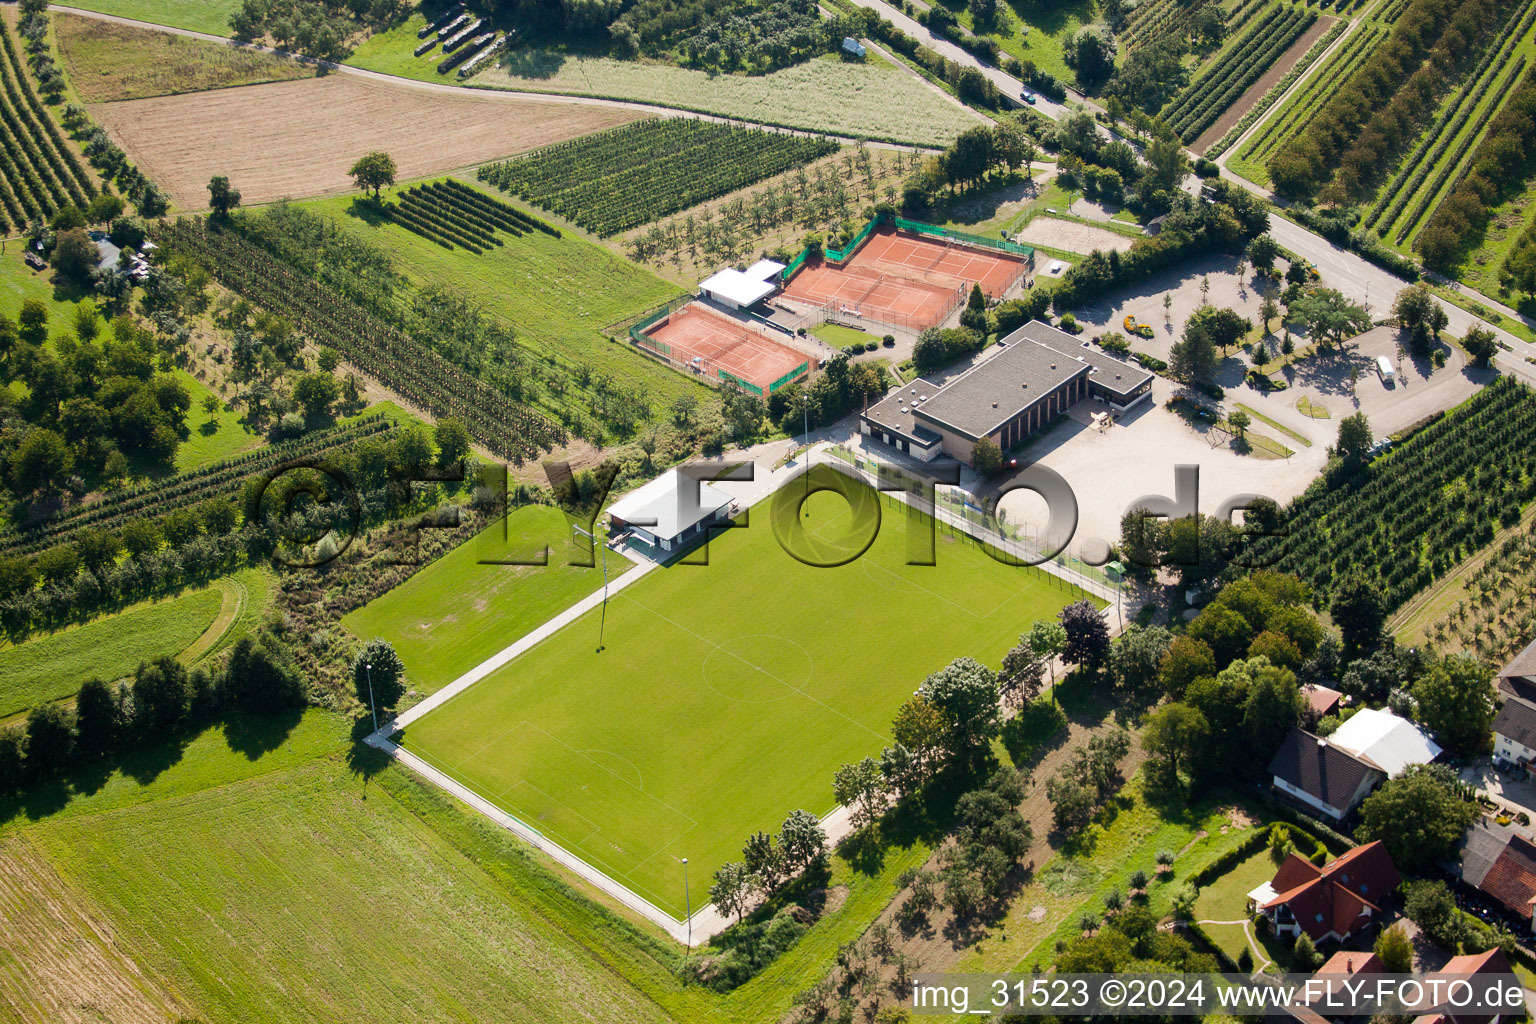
1384	370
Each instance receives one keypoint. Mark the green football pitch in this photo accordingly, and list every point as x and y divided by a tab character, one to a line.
727	693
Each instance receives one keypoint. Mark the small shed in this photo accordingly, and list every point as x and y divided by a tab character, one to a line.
853	48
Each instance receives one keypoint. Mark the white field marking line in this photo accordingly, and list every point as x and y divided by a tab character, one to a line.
720	647
530	835
508	654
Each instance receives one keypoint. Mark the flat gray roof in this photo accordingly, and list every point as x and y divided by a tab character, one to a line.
995	390
1109	373
894	411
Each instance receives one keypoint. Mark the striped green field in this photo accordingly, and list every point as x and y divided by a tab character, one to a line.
458	611
739	698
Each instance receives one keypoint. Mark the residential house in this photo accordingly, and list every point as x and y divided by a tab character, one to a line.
1514	730
1491	962
1332	902
1500	862
1320	778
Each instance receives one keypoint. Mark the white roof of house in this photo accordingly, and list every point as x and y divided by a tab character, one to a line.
670	504
762	270
1385	740
732	284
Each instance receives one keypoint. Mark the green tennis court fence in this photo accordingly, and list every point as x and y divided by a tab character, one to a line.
792	375
831	255
1001	245
744	385
637	330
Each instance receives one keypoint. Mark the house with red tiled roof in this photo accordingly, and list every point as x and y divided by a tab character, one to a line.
1332	902
1342	965
1500	862
1459	967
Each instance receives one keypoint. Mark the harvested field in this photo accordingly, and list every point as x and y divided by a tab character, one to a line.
109	61
298	138
1071	236
62	963
1266	82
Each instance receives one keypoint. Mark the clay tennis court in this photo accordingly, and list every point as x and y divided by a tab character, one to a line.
949	266
707	342
904	279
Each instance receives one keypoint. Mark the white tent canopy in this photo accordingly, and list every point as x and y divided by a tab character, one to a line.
1385	740
743	288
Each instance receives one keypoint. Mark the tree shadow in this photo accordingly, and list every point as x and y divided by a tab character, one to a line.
531	62
256	735
368	211
1035	731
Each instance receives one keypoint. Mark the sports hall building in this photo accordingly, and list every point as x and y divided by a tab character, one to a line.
1040	373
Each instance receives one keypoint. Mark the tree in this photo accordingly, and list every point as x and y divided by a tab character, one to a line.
1415	305
1091	52
861	788
1263	251
1087	634
965	691
98	718
802	839
1395	949
731	891
1456	700
1240	422
1420	816
222	197
1174	735
1304	954
40	462
1268	310
1354	438
1187	659
317	393
1329	316
259	678
1193	358
378	663
1430	905
1047	639
374	171
104	208
32	321
986	456
1481	345
1022	669
1358	611
1071	803
162	697
50	740
1135	655
1167	166
75	256
452	439
764	861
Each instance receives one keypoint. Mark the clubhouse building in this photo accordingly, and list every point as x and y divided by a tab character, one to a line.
667	514
1040	373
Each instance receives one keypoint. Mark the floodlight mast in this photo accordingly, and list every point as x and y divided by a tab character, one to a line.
368	669
603	622
688	899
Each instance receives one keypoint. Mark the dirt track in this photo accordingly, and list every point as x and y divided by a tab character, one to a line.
1278	70
299	138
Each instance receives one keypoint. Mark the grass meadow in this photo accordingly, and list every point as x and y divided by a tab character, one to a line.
558	294
874	100
727	694
457	612
109	61
210	16
52	666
